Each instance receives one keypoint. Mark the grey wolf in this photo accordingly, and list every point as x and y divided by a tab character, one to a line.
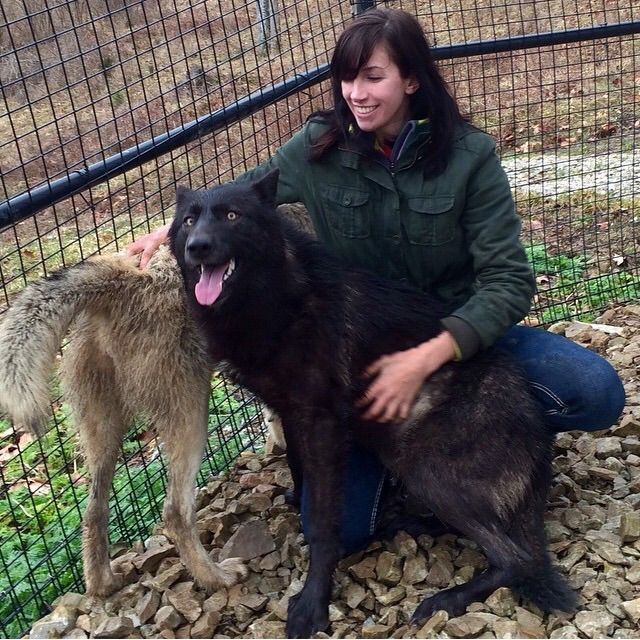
133	350
298	329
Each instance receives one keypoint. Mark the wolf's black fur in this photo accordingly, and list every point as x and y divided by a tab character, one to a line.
298	329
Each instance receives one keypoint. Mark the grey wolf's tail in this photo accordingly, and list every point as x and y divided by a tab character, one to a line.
32	330
547	588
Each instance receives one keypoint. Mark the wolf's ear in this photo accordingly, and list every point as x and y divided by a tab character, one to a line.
267	187
182	193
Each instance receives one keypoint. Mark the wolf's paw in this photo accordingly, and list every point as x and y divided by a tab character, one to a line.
443	600
234	570
306	616
211	576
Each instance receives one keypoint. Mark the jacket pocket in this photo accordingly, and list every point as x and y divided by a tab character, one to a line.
431	220
346	210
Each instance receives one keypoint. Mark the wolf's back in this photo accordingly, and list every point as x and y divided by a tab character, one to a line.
32	330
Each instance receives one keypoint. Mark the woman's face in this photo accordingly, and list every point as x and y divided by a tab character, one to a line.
379	96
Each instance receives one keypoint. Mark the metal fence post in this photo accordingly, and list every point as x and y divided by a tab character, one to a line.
268	36
358	6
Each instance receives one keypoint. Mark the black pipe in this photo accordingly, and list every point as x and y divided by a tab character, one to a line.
26	204
537	40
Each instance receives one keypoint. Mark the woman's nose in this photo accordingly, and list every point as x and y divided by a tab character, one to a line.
358	91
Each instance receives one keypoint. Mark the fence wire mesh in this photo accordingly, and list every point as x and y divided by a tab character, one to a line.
87	81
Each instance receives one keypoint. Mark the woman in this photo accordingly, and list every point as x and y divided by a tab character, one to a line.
396	180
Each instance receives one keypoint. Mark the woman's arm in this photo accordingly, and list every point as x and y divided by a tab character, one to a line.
148	244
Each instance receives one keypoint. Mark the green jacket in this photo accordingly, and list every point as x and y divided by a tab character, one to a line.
455	235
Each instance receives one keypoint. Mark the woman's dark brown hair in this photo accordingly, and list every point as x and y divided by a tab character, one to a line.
407	46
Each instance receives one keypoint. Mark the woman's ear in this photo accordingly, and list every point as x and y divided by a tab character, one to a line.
412	85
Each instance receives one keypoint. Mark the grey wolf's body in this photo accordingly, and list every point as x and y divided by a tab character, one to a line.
133	350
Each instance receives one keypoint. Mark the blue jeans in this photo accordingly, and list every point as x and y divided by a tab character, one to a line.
576	388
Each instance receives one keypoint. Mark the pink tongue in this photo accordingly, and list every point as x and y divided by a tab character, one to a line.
210	285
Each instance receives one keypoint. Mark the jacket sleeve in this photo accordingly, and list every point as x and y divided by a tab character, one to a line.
504	282
291	159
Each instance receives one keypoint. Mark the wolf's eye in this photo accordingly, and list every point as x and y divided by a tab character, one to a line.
188	221
232	215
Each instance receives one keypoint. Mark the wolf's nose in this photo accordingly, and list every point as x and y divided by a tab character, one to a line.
198	248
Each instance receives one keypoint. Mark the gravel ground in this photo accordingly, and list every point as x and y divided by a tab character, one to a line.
560	173
593	524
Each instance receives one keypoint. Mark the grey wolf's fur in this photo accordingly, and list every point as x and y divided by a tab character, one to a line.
132	350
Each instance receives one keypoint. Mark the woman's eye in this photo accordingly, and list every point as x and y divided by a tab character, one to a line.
188	221
231	215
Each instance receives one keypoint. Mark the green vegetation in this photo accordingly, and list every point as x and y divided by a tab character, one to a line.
44	492
566	290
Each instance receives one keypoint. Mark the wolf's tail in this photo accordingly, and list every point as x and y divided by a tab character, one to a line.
32	330
547	588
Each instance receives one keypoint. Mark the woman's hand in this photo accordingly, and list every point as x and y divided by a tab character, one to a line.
399	376
148	244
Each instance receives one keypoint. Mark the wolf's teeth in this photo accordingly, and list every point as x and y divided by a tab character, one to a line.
230	269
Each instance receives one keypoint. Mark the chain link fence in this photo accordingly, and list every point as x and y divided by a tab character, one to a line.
108	104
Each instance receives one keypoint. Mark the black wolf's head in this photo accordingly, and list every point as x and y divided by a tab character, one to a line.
223	235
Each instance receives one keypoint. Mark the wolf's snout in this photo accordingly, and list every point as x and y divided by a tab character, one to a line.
198	248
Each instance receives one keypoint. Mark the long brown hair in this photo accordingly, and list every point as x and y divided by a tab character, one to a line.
406	44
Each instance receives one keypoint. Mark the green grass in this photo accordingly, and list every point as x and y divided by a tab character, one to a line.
567	290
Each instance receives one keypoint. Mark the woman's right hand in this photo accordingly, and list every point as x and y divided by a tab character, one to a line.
148	244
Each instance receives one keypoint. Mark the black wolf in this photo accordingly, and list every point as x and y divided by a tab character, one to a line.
133	350
298	329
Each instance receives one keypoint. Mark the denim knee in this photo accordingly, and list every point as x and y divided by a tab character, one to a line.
576	388
597	400
609	396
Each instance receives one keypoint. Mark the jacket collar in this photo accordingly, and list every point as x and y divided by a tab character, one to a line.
415	133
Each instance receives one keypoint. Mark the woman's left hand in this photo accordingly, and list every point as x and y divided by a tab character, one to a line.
399	376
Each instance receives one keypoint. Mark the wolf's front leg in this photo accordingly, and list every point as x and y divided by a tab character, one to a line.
184	433
322	448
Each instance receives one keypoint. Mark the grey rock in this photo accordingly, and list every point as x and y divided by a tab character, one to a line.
267	629
440	574
251	540
633	573
389	568
392	596
115	627
186	602
507	629
415	569
364	569
632	610
150	560
147	605
594	624
501	602
466	626
49	628
630	526
354	594
434	625
375	631
567	631
168	618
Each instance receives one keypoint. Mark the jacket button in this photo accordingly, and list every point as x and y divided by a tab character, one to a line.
347	200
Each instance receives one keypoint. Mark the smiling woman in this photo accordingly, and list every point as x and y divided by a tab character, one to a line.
377	96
